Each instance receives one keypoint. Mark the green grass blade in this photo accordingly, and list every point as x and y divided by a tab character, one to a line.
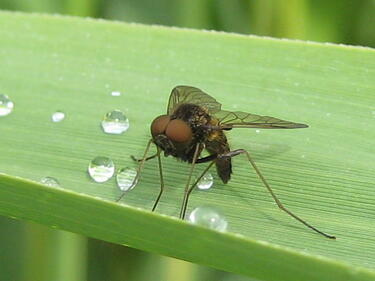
323	173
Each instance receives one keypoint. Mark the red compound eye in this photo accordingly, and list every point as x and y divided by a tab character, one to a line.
159	125
178	131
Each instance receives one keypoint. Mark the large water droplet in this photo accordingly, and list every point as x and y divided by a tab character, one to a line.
115	122
125	178
50	181
101	169
206	181
6	105
58	116
208	217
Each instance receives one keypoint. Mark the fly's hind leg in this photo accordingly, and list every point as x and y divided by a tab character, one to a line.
278	202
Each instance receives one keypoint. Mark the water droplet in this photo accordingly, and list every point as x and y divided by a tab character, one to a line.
50	181
115	122
125	178
115	94
257	131
58	116
208	217
101	169
206	182
6	105
328	114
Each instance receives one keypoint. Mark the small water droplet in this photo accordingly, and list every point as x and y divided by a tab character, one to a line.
50	181
208	217
58	116
257	131
101	169
115	94
125	178
328	114
206	181
6	105
115	122
303	156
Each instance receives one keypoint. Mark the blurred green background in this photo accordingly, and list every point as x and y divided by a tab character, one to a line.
337	21
33	252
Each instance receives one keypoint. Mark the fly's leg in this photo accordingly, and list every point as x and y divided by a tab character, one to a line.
146	159
279	204
206	159
140	167
186	194
161	180
185	203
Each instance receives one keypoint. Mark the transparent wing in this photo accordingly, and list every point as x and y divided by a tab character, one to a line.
238	119
187	94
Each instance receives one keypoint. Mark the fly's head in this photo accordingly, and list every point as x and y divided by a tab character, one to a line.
170	134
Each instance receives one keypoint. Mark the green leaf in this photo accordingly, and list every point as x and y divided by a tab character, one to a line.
325	173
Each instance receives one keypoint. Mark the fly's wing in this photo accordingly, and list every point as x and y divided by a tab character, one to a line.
237	119
188	94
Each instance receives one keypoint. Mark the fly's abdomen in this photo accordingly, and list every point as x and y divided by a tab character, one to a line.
224	168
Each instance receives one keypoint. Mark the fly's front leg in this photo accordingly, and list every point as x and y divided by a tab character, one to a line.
146	159
161	179
140	167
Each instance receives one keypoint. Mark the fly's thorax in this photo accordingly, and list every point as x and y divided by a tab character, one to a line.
197	117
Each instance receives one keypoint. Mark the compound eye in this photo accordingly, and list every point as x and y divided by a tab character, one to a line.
159	125
178	131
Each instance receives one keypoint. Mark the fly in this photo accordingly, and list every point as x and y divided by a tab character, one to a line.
195	122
